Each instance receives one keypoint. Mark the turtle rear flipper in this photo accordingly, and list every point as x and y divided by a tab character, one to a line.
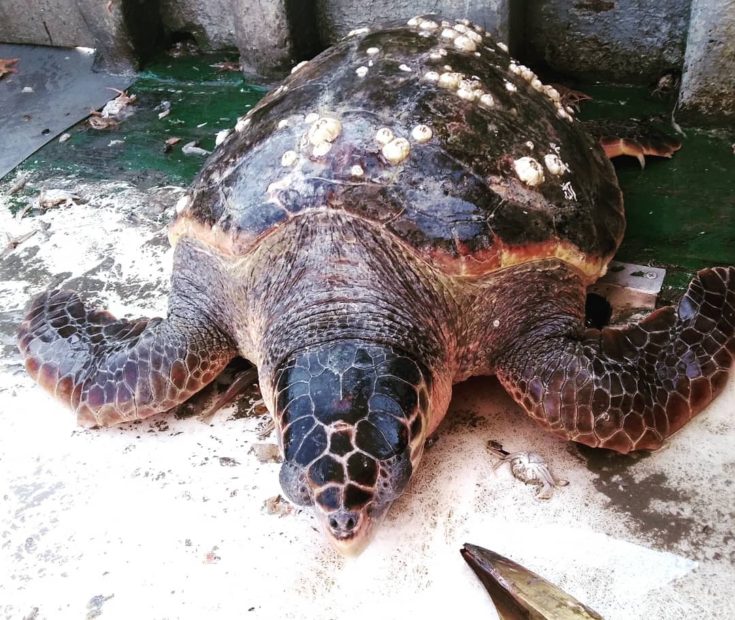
110	371
622	388
634	138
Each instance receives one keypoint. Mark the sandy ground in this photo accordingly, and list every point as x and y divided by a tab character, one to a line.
166	519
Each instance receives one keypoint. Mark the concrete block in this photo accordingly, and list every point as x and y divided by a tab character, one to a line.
211	23
263	37
122	31
337	17
108	24
44	22
708	84
625	40
273	36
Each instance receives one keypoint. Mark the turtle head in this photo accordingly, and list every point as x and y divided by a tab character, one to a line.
353	419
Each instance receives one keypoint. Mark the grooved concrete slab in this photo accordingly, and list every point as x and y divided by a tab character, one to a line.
53	89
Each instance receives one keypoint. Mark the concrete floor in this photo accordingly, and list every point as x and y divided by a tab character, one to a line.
165	519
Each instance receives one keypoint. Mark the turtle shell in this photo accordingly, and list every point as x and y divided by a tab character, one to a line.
429	130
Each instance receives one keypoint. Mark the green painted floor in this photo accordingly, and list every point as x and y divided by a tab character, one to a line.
681	213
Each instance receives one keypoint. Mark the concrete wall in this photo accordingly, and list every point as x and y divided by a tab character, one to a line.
620	40
121	30
337	17
44	22
625	40
210	22
708	85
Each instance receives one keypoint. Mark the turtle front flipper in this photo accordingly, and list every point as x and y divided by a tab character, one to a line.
639	139
110	371
621	388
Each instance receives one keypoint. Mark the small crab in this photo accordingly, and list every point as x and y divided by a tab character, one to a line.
570	97
667	85
528	467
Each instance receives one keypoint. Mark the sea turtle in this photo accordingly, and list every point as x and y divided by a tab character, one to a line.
407	210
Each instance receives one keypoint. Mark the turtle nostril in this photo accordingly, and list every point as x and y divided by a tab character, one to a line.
342	523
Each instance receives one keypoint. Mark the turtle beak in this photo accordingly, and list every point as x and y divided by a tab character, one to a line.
350	531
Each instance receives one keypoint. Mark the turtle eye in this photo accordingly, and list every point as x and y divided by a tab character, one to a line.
393	476
293	482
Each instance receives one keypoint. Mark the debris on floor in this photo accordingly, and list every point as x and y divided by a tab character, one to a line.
8	66
14	242
277	505
191	148
266	452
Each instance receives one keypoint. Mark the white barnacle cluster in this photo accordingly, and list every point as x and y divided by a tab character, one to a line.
425	26
551	92
182	204
486	100
467	88
242	124
422	133
221	136
450	80
464	35
289	158
555	165
383	136
361	71
302	64
438	54
322	133
396	149
470	89
357	31
529	171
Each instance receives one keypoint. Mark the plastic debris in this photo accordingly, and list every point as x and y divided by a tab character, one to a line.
191	148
